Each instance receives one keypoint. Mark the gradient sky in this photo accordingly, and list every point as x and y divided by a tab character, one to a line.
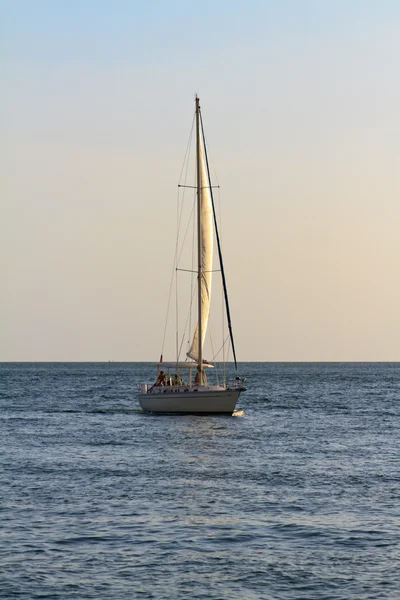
301	107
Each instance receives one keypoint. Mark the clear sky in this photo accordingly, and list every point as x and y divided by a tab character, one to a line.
301	106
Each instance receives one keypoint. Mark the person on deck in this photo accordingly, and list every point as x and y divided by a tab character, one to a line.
197	379
161	379
178	380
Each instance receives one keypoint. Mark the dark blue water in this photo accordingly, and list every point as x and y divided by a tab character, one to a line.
295	497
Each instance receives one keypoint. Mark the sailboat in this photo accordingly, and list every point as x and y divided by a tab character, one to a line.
182	386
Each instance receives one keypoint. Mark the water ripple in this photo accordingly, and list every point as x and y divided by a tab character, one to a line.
295	498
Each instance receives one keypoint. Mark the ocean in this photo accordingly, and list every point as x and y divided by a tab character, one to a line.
296	496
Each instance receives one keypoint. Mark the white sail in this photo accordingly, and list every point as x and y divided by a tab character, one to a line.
206	236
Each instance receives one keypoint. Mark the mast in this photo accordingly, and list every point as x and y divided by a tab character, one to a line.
199	248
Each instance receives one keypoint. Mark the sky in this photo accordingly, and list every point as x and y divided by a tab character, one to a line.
300	101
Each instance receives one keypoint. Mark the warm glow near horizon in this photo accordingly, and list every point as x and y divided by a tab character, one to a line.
300	105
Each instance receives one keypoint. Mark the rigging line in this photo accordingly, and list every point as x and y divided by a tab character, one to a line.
222	291
186	232
185	161
187	158
180	348
215	174
221	348
218	207
216	367
192	279
193	271
169	295
178	213
168	305
227	359
223	320
228	312
223	316
187	319
178	229
171	280
203	187
176	316
181	212
187	153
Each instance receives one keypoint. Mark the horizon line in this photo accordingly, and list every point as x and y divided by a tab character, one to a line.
217	362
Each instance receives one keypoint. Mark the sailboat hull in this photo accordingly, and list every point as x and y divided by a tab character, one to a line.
207	402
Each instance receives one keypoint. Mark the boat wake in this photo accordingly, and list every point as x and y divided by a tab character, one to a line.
238	413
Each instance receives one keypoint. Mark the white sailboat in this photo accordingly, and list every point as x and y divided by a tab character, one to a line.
192	393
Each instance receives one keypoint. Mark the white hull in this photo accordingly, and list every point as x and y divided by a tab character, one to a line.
221	401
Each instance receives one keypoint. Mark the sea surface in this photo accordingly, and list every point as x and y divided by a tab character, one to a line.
296	496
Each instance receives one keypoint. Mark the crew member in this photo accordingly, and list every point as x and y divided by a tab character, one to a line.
161	379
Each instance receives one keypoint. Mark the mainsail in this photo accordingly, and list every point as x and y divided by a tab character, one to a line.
206	239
